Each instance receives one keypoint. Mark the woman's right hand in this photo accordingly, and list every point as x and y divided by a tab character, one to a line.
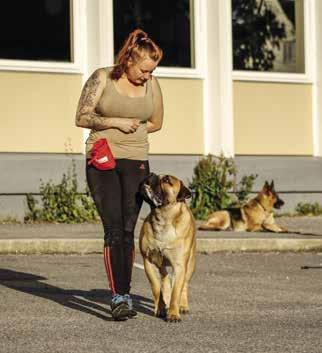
127	125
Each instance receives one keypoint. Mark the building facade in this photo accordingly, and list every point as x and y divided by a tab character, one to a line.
267	113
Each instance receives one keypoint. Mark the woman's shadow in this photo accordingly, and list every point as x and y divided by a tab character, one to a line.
89	302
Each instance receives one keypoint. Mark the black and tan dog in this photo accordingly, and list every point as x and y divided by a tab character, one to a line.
255	216
168	239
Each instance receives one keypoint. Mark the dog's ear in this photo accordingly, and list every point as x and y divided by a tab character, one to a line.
184	193
272	187
266	187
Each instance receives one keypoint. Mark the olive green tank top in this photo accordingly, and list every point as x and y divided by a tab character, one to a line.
113	104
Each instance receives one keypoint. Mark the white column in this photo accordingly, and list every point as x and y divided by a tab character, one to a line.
98	38
317	84
99	35
106	33
218	100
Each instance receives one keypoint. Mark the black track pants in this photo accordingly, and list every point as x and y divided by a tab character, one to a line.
115	193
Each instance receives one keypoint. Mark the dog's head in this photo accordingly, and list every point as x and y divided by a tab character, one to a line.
161	190
269	196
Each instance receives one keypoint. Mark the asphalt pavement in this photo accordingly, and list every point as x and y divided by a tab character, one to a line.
240	302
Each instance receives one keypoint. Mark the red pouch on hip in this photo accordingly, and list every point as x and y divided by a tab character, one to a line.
102	157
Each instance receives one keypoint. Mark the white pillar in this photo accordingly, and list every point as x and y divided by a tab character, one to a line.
317	84
218	100
98	39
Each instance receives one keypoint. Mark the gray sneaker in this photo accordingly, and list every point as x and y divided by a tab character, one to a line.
120	308
129	301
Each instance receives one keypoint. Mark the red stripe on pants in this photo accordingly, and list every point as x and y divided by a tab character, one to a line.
108	268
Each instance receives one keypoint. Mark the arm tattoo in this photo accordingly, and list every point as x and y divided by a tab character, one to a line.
86	105
96	122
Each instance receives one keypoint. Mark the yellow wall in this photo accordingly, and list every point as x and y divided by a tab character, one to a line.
273	118
182	131
37	112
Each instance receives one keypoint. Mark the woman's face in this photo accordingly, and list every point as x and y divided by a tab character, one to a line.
138	72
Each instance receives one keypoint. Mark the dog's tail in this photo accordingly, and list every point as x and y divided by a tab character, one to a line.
297	232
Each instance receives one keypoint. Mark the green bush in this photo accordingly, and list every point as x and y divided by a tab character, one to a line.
62	203
308	209
214	186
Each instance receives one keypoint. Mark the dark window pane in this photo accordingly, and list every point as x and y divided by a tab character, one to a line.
168	22
35	30
268	35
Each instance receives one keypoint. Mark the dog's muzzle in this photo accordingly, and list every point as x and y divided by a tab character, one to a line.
278	204
154	197
151	190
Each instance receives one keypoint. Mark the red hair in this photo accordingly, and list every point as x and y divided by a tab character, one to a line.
135	47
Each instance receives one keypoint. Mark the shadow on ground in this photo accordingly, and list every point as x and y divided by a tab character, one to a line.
93	302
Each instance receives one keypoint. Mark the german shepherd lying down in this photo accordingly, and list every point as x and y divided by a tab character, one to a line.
254	216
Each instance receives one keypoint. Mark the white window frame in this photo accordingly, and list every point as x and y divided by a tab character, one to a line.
78	23
308	76
107	43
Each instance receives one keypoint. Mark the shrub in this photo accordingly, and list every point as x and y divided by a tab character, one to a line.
308	209
214	186
62	203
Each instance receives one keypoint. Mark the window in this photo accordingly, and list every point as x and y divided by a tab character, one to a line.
38	30
168	22
268	36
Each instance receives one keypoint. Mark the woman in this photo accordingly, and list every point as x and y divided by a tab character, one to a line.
122	104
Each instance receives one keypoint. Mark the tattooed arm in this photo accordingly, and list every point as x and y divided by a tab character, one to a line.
86	115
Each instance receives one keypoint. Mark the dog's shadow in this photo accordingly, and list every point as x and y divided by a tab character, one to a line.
93	302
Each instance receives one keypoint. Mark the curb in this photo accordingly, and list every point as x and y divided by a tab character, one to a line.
209	246
205	246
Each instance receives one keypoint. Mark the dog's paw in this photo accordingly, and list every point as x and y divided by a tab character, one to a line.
173	318
184	310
